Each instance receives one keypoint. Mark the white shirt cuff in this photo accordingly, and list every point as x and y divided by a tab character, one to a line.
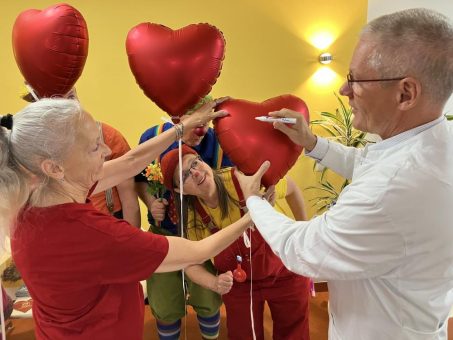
320	149
251	199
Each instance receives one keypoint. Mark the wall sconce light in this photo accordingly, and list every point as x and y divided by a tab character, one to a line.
325	58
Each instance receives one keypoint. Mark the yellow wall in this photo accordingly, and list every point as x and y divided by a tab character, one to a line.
268	53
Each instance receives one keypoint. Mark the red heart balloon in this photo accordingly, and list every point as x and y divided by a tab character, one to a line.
175	69
51	47
249	142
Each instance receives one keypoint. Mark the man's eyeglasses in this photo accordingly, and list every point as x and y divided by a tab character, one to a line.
351	80
186	173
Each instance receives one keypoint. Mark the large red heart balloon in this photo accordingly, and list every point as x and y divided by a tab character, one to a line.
51	47
249	142
175	69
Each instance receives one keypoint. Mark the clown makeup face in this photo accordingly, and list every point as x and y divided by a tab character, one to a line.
193	137
197	176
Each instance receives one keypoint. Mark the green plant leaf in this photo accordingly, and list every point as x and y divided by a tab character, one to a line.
338	126
328	130
323	174
333	117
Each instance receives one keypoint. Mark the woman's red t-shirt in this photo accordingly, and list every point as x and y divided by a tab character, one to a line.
82	269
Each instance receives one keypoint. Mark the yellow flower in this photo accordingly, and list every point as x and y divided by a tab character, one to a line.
155	179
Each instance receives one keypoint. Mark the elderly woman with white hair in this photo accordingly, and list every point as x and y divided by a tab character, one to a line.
82	267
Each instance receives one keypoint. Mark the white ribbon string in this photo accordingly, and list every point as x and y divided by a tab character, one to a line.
181	214
246	238
181	195
2	315
248	244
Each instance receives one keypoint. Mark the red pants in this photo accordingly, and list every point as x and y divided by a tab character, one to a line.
288	301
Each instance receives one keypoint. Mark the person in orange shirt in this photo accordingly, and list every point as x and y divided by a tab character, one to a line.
120	201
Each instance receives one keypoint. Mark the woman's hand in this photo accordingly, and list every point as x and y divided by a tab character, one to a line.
248	222
251	185
269	195
223	283
205	114
158	209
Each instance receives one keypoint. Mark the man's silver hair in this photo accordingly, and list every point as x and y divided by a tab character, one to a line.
43	130
415	42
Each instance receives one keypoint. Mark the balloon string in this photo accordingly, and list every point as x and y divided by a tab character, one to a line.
2	315
248	244
181	193
246	238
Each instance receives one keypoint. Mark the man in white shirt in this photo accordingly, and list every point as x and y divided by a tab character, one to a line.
386	247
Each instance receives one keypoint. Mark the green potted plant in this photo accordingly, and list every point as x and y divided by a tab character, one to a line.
338	127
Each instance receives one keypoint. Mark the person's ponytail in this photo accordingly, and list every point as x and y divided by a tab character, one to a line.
14	189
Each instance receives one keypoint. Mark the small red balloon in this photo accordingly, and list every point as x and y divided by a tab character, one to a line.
239	274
